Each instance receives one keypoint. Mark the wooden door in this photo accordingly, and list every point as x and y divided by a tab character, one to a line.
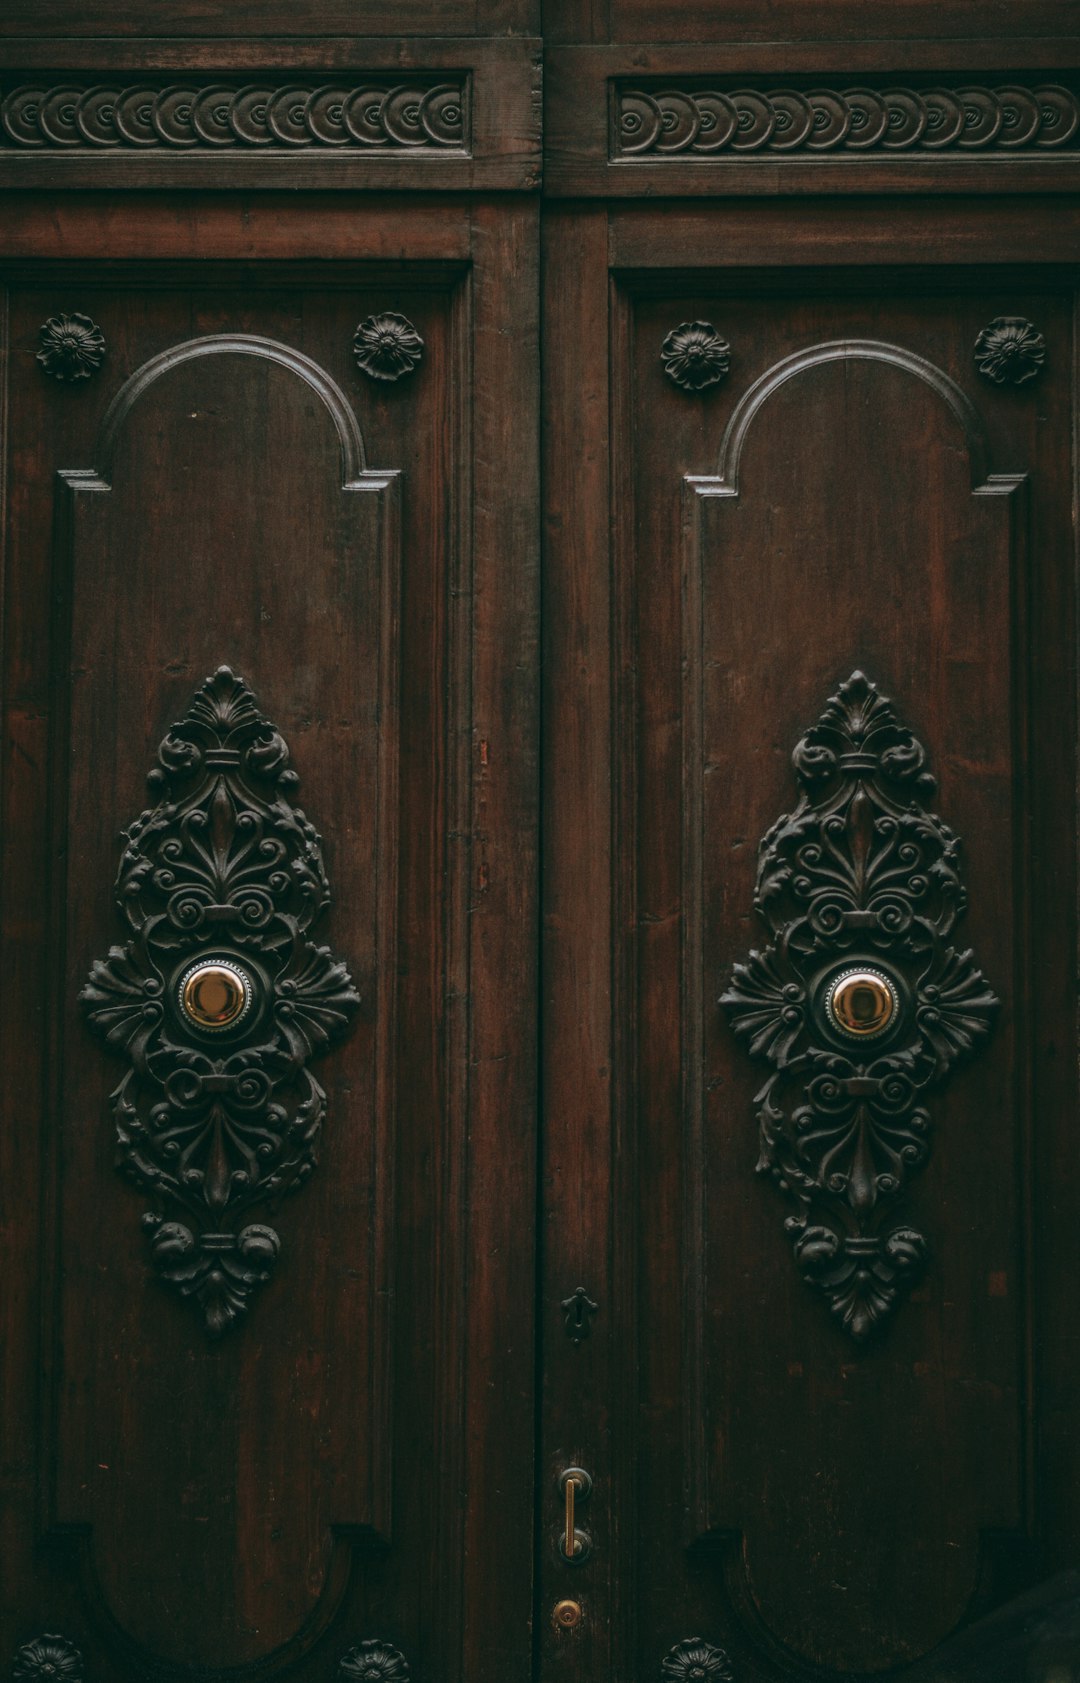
270	561
809	731
378	1162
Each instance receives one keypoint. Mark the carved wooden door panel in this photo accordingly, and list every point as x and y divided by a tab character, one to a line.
268	897
400	1173
809	560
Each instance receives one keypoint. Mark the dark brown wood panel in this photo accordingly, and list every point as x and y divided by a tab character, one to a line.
215	18
884	499
643	121
341	115
235	506
844	22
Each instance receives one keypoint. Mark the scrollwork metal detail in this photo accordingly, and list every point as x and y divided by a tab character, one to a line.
735	121
194	115
219	1114
859	888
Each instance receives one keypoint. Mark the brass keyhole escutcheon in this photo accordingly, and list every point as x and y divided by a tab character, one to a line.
862	1002
215	994
567	1615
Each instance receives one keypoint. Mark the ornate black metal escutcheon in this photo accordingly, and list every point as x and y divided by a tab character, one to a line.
219	998
859	1002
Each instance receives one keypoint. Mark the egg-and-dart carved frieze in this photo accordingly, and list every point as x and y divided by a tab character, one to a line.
668	122
219	999
375	113
860	1002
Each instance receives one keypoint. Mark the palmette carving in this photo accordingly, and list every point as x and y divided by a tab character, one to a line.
215	1121
860	889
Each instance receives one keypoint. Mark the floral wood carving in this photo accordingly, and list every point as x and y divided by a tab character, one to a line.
207	116
387	346
694	355
219	998
859	1001
373	1662
1010	351
693	1659
72	347
718	123
48	1659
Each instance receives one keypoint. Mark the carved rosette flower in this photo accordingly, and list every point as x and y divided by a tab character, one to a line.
695	356
48	1659
860	1003
387	346
219	999
695	1661
1010	351
373	1662
72	347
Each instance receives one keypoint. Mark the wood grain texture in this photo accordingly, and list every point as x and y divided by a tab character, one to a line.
225	517
212	19
694	1224
583	154
498	148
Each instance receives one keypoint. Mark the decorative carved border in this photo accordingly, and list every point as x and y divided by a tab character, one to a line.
418	115
702	123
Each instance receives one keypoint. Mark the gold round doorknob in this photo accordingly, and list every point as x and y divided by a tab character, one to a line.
862	1002
215	994
565	1615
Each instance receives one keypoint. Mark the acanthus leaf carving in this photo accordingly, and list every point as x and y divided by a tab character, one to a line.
219	998
860	1003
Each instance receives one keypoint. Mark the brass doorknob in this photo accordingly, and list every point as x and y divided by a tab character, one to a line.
215	994
862	1002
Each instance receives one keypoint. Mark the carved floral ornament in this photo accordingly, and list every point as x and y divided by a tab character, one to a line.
373	1662
387	346
219	999
48	1659
72	347
695	355
1010	351
859	1002
695	1661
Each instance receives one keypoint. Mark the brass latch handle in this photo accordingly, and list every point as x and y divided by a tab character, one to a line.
576	1486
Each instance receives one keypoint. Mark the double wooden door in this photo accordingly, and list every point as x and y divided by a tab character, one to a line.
539	681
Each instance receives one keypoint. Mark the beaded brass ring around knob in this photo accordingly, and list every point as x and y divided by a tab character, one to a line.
862	1002
215	994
